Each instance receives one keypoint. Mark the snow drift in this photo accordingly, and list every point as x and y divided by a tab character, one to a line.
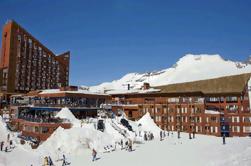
76	140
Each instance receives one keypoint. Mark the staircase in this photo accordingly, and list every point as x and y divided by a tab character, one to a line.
117	128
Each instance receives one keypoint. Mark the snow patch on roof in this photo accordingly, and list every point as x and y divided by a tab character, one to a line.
82	91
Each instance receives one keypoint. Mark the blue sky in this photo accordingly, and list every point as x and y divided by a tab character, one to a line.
109	38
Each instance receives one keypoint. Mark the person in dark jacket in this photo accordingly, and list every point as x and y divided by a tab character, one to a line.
1	145
224	139
50	161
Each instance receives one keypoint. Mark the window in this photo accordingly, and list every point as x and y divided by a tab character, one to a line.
45	129
247	129
231	99
36	129
235	119
247	119
236	128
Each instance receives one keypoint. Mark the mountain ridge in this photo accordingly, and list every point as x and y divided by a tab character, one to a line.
190	67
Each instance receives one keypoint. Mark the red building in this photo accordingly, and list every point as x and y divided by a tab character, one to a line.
34	113
214	107
26	64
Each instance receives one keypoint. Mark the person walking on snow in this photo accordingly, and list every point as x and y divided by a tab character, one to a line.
8	137
64	161
2	143
130	145
161	135
121	143
50	161
94	154
224	139
45	161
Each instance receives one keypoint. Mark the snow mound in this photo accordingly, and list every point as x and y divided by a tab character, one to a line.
76	140
147	124
65	113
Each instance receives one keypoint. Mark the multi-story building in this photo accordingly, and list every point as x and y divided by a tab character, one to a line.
34	114
26	64
213	107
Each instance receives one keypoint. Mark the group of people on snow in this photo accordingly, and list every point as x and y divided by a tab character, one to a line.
48	161
7	145
148	136
123	144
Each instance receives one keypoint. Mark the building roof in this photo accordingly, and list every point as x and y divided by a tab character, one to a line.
75	93
224	85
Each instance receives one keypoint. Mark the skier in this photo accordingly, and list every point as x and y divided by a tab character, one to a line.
50	161
94	154
2	143
64	161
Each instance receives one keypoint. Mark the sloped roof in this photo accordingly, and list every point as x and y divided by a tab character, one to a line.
230	84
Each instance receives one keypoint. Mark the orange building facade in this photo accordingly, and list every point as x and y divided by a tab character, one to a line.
26	64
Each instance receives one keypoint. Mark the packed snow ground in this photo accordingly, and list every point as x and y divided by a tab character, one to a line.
188	68
76	143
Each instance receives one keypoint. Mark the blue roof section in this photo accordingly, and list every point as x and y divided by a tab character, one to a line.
58	109
44	109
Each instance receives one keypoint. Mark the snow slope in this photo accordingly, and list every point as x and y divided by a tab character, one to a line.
188	68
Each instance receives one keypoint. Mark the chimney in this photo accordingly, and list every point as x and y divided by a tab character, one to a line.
128	86
146	86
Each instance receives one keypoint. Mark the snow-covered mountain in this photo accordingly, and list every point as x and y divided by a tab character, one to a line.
188	68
